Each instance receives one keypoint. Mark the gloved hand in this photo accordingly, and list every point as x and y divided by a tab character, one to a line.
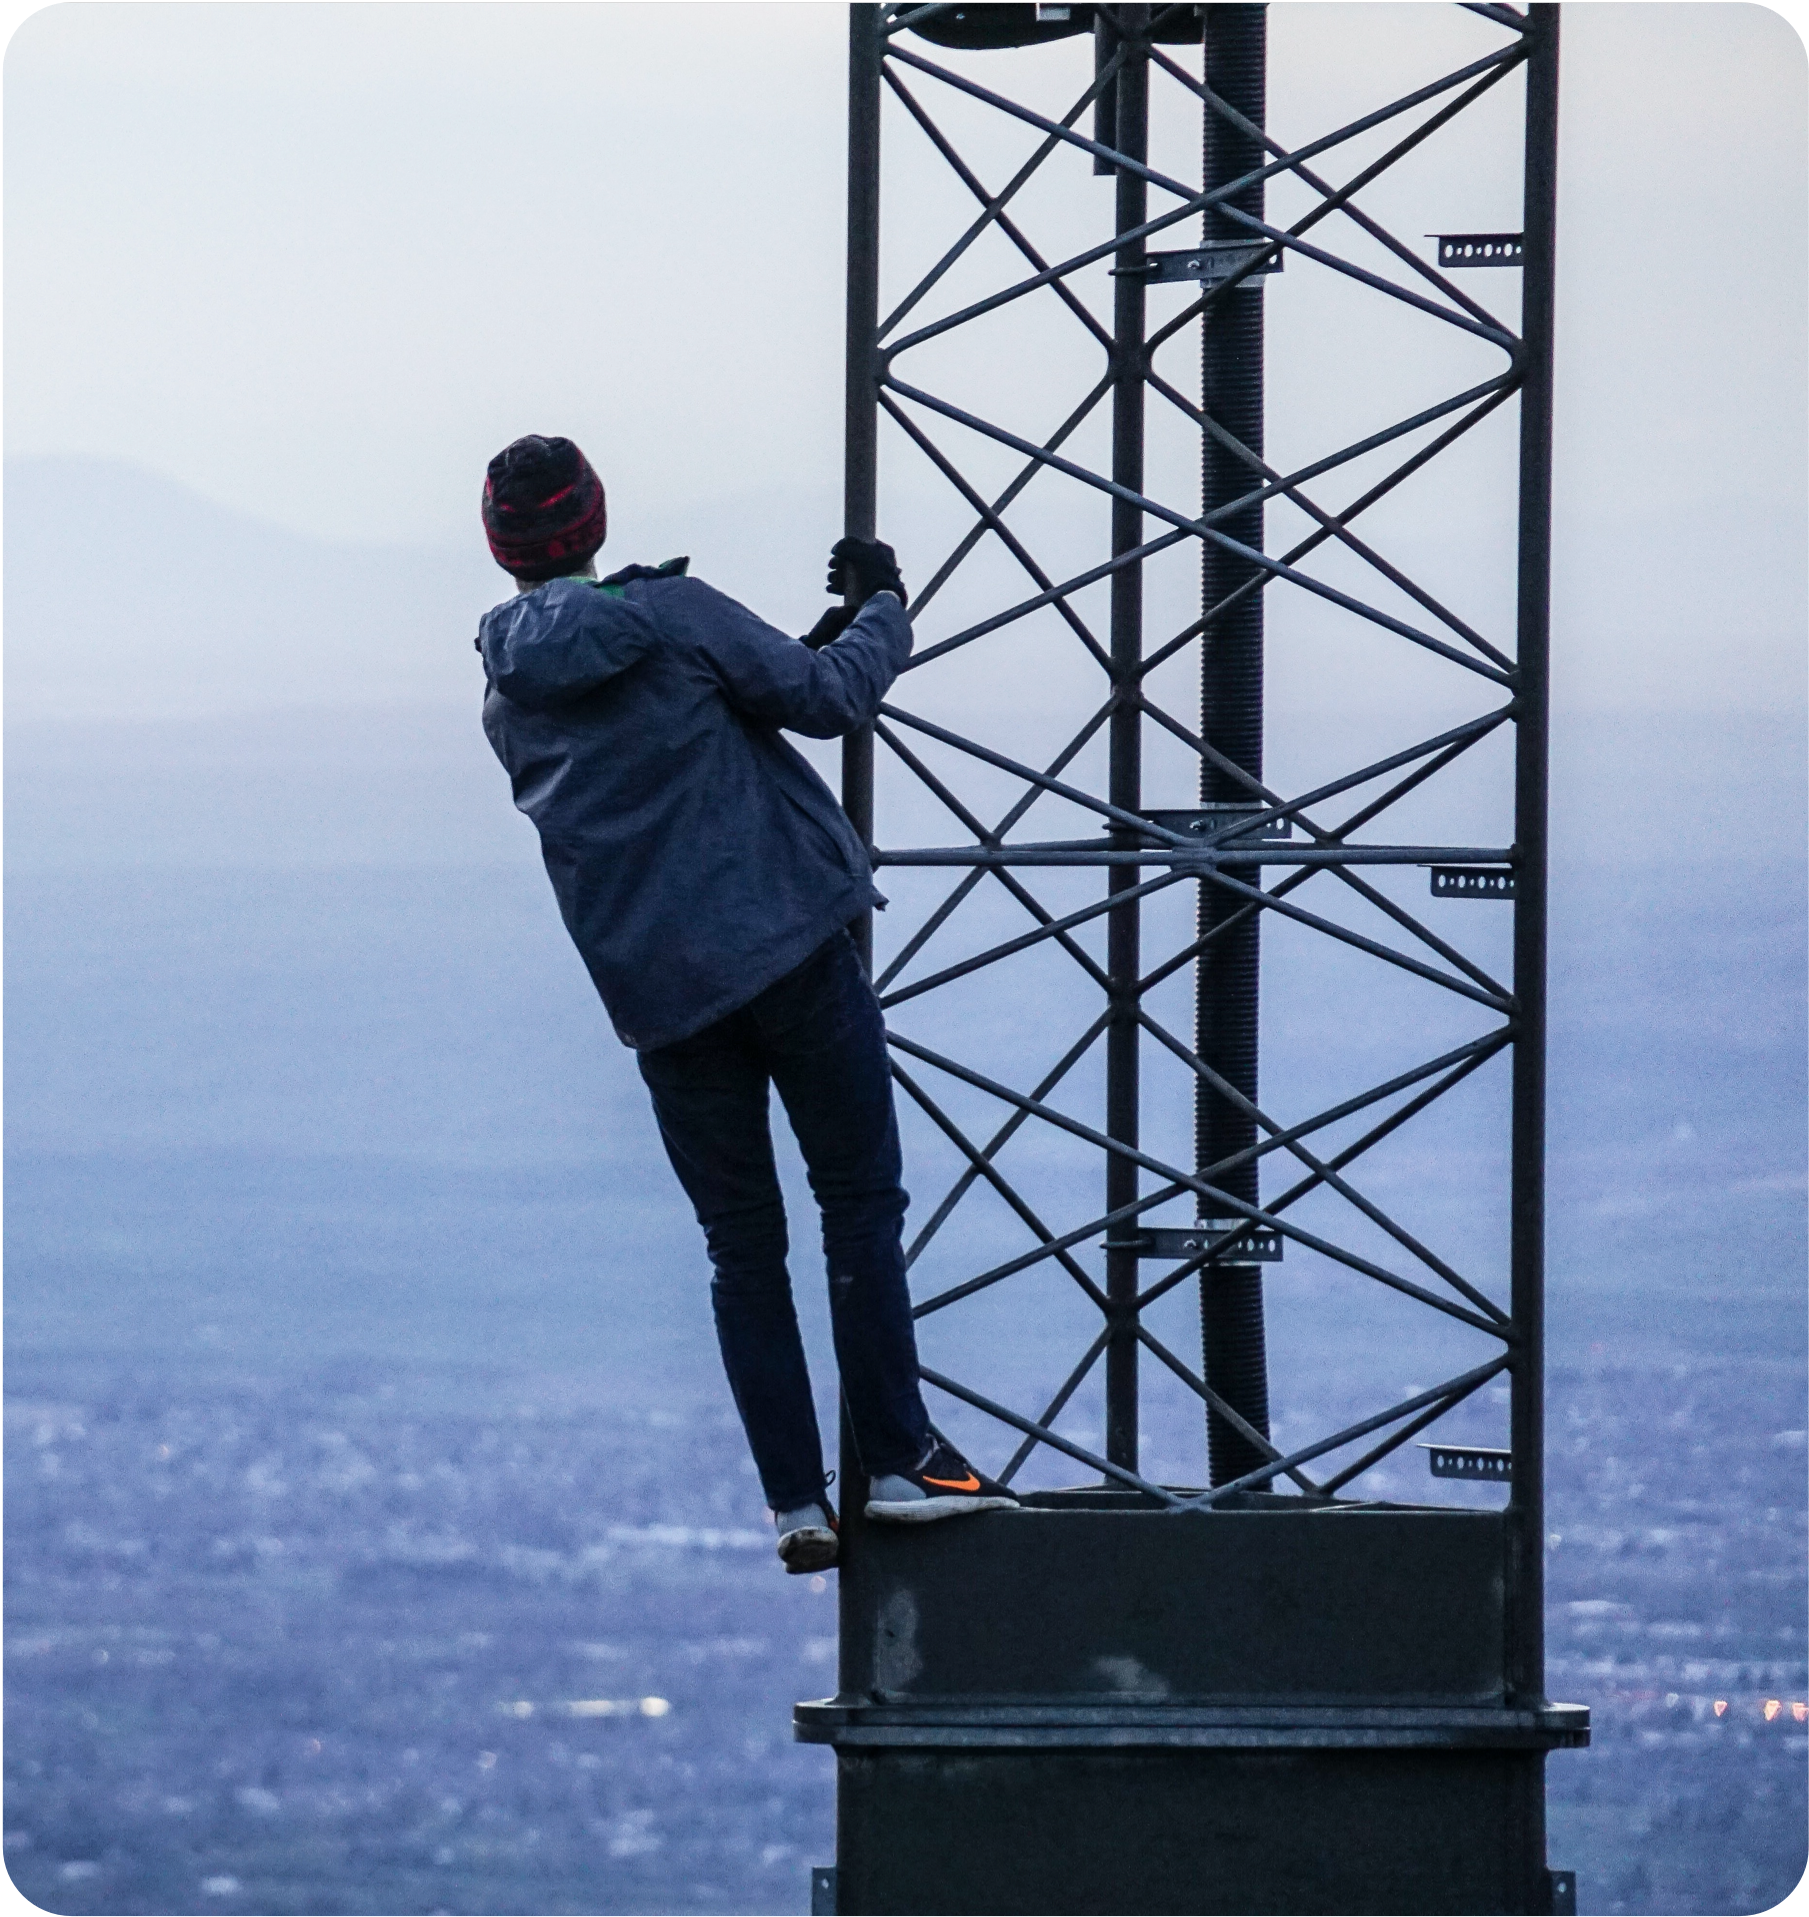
862	567
830	627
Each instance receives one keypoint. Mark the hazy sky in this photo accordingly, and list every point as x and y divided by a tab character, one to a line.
319	261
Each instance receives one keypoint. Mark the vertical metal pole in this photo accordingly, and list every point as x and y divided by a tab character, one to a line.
860	487
860	471
1105	108
1526	1609
1231	721
1123	932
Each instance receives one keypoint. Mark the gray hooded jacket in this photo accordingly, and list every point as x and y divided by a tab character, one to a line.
695	854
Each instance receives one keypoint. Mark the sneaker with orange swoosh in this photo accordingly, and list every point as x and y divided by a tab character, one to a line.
944	1485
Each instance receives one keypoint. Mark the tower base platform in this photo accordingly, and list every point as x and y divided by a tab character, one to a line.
1091	1705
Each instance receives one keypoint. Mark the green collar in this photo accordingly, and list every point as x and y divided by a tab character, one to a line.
617	582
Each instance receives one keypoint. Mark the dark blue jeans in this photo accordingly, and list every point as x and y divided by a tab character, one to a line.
818	1036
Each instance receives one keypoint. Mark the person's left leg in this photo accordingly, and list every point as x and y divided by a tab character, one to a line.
710	1097
823	1040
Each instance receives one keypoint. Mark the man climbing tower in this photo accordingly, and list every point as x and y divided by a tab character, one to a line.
707	877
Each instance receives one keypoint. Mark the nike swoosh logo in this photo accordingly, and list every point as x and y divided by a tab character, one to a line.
969	1483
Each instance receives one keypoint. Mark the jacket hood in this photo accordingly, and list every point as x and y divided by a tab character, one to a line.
561	641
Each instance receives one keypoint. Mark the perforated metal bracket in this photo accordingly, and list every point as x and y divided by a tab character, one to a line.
1472	881
1213	263
1480	249
1468	1461
1261	1244
1212	821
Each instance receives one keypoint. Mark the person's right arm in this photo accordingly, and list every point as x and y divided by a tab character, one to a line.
777	679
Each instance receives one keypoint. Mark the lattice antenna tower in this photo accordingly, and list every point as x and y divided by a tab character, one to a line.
1111	883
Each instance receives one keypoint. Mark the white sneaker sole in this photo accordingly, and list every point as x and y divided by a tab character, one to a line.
812	1549
928	1510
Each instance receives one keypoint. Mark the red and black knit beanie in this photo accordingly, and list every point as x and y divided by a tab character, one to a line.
543	508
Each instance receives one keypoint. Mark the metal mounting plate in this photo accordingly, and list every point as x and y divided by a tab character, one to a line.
1213	262
1208	821
1468	1461
1480	249
1259	1245
1472	882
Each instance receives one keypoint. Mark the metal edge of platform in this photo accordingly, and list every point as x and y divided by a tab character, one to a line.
1562	1887
1029	1726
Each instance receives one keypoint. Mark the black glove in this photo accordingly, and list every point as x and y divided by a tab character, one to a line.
830	627
862	567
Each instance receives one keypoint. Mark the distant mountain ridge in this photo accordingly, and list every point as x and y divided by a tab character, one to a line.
129	596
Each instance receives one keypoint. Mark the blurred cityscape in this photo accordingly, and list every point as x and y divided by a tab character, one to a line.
373	1639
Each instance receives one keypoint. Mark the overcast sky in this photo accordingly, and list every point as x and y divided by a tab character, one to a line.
319	261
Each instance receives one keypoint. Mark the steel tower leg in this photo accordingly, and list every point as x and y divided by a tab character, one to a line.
860	506
1231	723
860	456
1526	1508
1123	942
